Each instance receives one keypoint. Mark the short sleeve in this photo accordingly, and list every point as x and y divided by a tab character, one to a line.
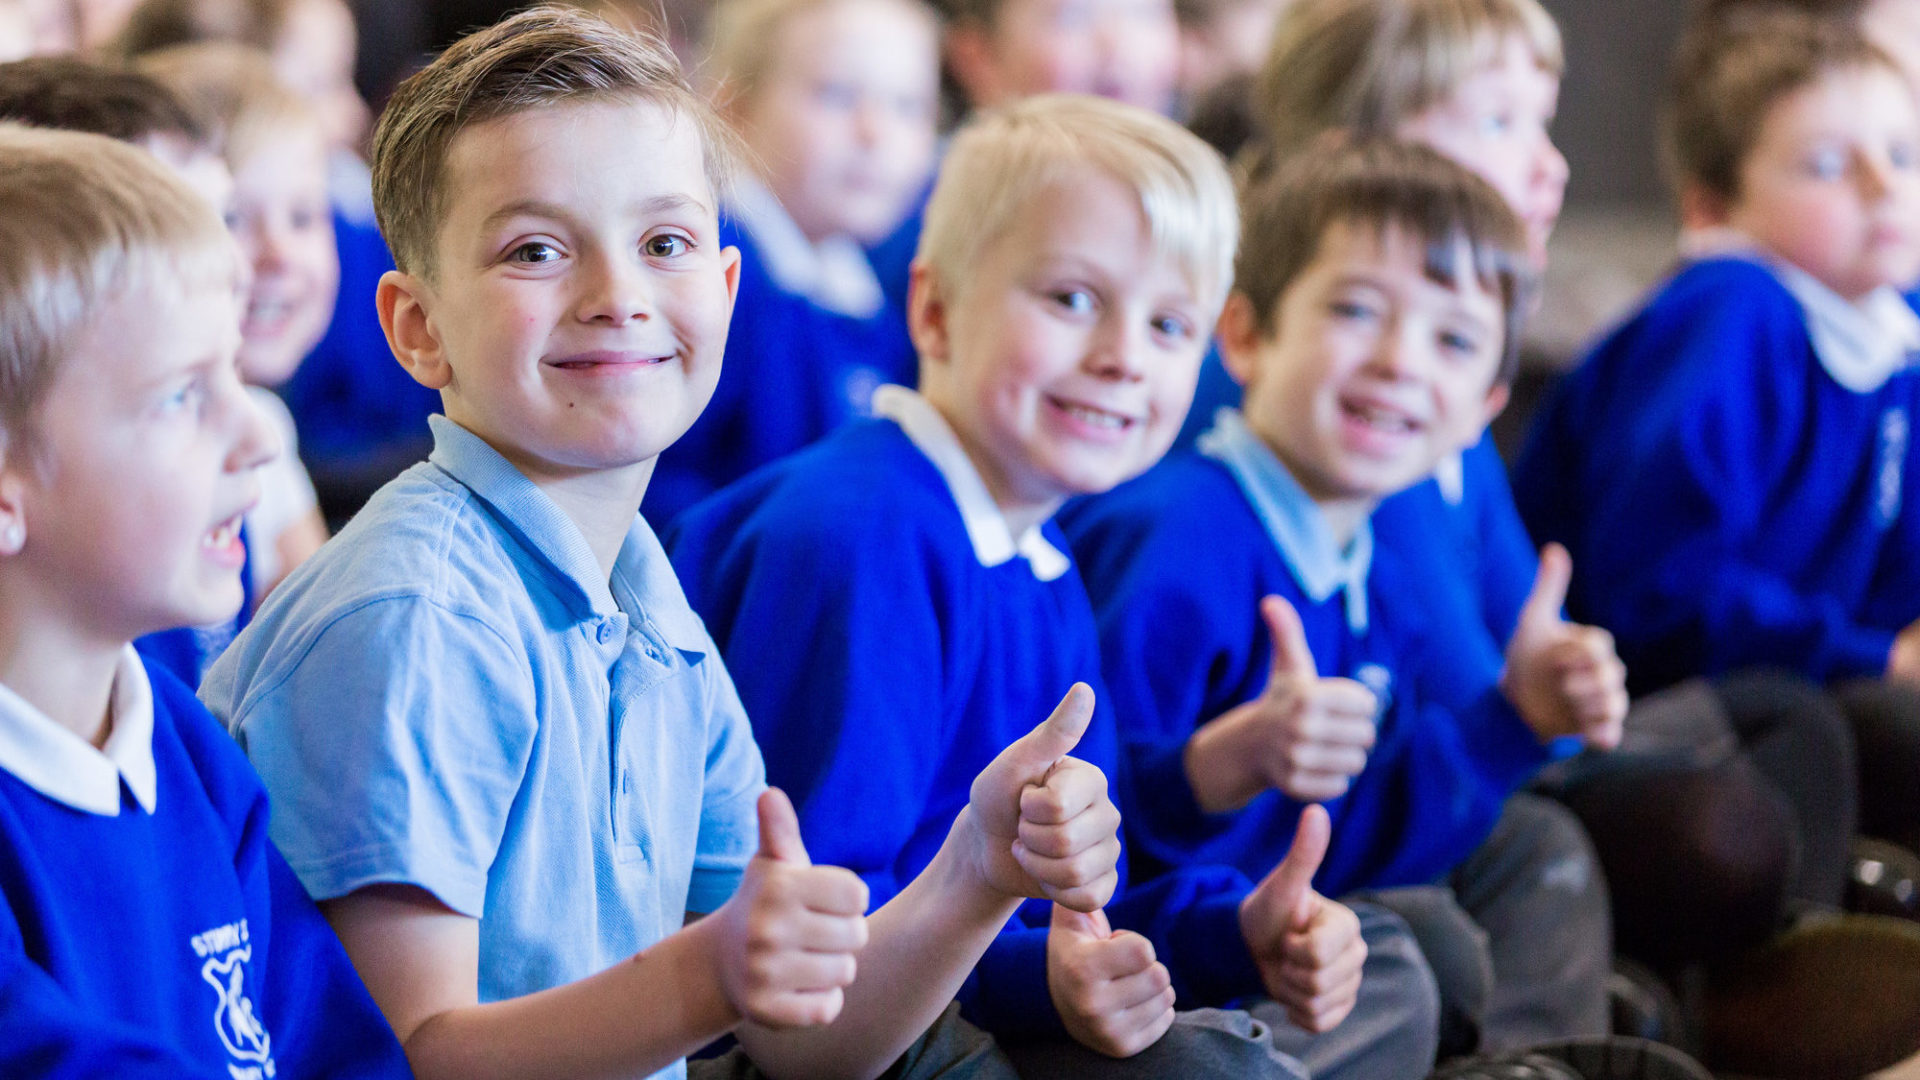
735	777
393	747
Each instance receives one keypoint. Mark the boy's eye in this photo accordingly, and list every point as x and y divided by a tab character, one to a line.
1354	310
188	395
1078	301
1827	165
1459	343
1901	155
534	252
668	245
837	95
1172	326
1496	123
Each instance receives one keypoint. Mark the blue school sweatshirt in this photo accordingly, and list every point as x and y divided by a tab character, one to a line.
793	372
1727	502
1176	563
174	943
361	418
883	667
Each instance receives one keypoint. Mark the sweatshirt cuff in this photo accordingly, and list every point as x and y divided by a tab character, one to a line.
1508	751
1210	963
1859	651
1007	994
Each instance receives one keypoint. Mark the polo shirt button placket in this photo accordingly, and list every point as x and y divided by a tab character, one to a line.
606	631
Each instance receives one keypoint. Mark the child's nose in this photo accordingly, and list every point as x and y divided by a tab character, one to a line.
255	441
619	294
1118	350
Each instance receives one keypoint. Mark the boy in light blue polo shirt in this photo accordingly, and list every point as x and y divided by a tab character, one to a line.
512	763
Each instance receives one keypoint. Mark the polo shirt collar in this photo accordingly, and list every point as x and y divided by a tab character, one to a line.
1291	518
1861	344
537	521
833	273
993	539
67	768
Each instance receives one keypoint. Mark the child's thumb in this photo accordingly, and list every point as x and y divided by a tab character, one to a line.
1290	885
1291	656
1550	583
1083	924
1055	738
780	829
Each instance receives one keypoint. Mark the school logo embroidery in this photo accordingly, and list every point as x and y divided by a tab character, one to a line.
1894	432
1378	679
226	951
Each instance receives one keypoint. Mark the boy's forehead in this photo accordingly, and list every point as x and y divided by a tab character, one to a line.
1355	243
589	156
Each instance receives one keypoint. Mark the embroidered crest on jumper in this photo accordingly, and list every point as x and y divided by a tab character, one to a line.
226	952
1895	429
1378	679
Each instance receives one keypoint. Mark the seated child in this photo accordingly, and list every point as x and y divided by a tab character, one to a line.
1751	420
361	419
896	597
275	151
139	895
835	102
1479	82
511	818
78	95
1373	323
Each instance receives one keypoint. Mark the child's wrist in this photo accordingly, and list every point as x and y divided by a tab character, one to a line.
960	871
1221	776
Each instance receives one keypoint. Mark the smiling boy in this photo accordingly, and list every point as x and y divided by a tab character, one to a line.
1373	324
1075	255
512	763
147	927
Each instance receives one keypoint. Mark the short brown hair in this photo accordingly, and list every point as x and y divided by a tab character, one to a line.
78	95
1732	67
82	218
540	57
233	93
161	24
1366	66
1383	184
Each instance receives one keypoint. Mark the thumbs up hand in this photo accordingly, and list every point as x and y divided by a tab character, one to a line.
1308	948
1564	678
792	930
1305	735
1042	822
1112	995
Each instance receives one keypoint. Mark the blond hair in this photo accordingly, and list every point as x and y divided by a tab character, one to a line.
1367	66
84	218
1730	70
1382	184
234	95
745	38
1004	158
538	58
163	24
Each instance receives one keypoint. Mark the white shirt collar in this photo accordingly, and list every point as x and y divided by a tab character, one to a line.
834	273
993	539
1860	344
1292	520
66	768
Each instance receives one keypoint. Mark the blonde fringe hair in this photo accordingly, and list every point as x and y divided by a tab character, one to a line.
1003	159
1366	66
233	94
744	39
545	56
84	218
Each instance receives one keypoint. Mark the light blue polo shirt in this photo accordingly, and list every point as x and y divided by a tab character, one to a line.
451	695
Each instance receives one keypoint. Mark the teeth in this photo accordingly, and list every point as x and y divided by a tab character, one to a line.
1097	417
1380	418
222	534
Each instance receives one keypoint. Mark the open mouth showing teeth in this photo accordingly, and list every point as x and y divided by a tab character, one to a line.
1092	417
591	365
1385	420
222	535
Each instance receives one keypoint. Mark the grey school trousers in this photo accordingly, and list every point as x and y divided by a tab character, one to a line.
1520	936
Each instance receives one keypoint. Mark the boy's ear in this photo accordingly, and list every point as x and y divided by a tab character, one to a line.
403	302
1702	208
1497	398
927	314
13	500
1240	335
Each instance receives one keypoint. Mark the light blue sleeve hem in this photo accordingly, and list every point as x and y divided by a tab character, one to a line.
461	889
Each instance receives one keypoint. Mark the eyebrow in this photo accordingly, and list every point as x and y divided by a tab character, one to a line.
657	204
